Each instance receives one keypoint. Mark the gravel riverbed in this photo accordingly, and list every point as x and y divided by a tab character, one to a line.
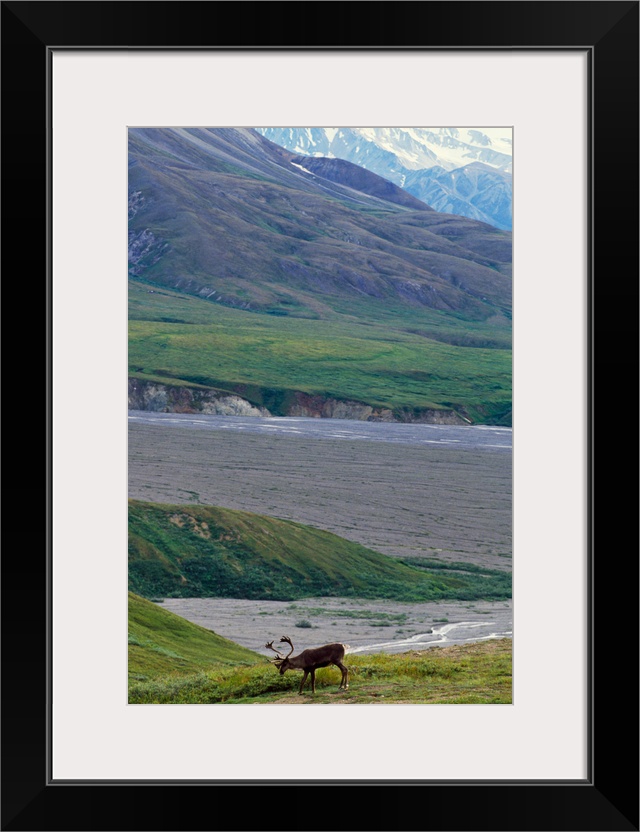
404	490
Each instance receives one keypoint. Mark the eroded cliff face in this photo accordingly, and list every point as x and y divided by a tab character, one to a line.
322	407
163	398
328	408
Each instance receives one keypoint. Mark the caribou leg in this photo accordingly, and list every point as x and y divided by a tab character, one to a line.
313	681
304	679
344	682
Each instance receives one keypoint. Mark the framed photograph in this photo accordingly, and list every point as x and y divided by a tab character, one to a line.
96	98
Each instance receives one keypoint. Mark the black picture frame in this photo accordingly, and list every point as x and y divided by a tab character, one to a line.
608	798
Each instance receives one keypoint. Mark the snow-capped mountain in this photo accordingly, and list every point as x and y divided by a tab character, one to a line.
405	154
476	191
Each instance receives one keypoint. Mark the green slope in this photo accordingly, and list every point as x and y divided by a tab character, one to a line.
161	643
206	551
399	359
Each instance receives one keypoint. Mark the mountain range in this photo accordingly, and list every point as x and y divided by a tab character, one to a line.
228	218
465	171
228	215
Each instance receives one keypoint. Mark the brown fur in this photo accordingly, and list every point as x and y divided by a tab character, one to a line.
311	659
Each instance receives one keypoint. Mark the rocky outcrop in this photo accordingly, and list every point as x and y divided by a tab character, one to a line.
163	398
430	416
322	407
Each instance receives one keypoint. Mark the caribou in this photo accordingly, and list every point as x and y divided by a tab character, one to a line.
310	660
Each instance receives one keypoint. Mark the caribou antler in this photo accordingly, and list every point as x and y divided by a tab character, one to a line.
270	646
288	640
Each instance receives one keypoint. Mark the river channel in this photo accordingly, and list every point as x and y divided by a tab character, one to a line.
366	626
406	490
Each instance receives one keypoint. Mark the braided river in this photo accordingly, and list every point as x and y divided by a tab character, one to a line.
406	490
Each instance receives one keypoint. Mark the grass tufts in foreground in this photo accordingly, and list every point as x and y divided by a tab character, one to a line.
462	674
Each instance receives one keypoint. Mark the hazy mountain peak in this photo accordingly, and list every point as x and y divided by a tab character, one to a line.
405	155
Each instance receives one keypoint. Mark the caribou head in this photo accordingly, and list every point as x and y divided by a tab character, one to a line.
310	660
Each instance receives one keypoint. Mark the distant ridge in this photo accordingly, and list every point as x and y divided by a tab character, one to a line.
226	215
433	164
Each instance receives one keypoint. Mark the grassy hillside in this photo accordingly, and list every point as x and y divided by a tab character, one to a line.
399	359
466	674
161	643
206	551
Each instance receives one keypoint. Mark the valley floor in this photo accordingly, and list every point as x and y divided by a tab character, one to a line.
400	499
367	626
